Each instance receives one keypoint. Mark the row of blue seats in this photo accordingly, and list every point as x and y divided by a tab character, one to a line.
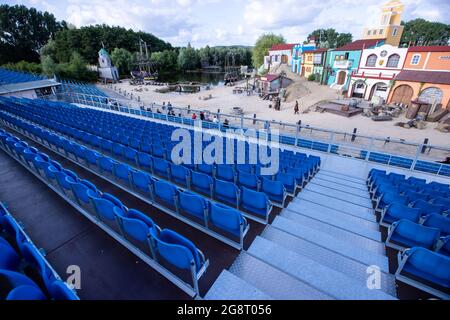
122	129
25	274
165	245
212	215
292	179
11	76
420	231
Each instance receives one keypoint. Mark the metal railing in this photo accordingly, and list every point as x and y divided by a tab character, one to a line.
388	151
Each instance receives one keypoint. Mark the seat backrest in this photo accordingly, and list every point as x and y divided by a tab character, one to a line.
201	180
272	186
438	221
225	172
106	164
427	207
104	208
122	171
193	204
435	267
178	250
179	172
426	236
398	212
141	180
225	218
226	188
247	179
165	191
254	199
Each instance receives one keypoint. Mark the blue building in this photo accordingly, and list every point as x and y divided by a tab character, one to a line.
344	61
297	52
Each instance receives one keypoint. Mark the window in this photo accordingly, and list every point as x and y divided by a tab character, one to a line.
393	61
371	60
385	20
415	59
380	31
394	32
369	32
346	56
309	58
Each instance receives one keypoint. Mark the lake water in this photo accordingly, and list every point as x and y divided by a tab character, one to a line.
214	79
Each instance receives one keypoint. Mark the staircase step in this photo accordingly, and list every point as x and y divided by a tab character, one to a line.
273	281
337	204
351	268
343	176
323	278
341	195
345	248
324	222
320	212
355	185
230	287
360	192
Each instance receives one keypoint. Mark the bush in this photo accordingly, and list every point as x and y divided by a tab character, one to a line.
24	66
312	77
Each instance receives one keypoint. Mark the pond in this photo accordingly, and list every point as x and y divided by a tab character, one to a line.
214	79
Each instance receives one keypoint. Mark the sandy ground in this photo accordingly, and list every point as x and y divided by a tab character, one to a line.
224	99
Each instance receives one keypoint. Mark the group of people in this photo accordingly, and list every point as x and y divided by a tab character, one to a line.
206	117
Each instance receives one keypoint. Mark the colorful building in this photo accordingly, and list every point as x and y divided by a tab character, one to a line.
377	69
272	83
389	27
425	77
279	54
307	64
344	61
297	53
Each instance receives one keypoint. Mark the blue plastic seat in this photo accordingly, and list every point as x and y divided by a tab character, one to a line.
161	167
416	181
180	174
106	145
225	172
118	149
275	190
227	192
141	181
202	183
438	221
84	191
408	234
395	212
255	202
245	168
227	219
12	280
9	259
166	192
106	164
428	208
104	209
442	201
91	157
177	250
122	172
65	178
193	204
426	266
388	198
248	180
135	224
144	160
35	260
288	181
205	168
145	147
130	154
158	151
414	196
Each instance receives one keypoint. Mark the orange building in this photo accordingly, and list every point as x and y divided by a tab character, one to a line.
425	77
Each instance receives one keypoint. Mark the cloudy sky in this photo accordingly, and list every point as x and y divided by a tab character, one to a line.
228	22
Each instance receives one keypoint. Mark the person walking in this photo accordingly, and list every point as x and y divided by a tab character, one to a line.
202	116
194	116
296	107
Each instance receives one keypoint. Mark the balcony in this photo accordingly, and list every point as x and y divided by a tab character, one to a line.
342	64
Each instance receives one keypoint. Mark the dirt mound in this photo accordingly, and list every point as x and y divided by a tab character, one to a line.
296	91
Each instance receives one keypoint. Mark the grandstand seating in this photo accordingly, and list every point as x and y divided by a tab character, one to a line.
124	223
25	274
10	76
200	178
416	213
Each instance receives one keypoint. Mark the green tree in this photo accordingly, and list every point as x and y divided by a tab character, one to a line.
420	32
330	38
122	59
188	58
49	67
262	46
24	31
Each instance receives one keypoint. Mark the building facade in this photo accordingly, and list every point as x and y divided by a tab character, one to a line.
376	71
297	53
425	77
345	60
279	54
389	26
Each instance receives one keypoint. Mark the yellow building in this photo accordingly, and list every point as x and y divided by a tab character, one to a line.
389	28
307	64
